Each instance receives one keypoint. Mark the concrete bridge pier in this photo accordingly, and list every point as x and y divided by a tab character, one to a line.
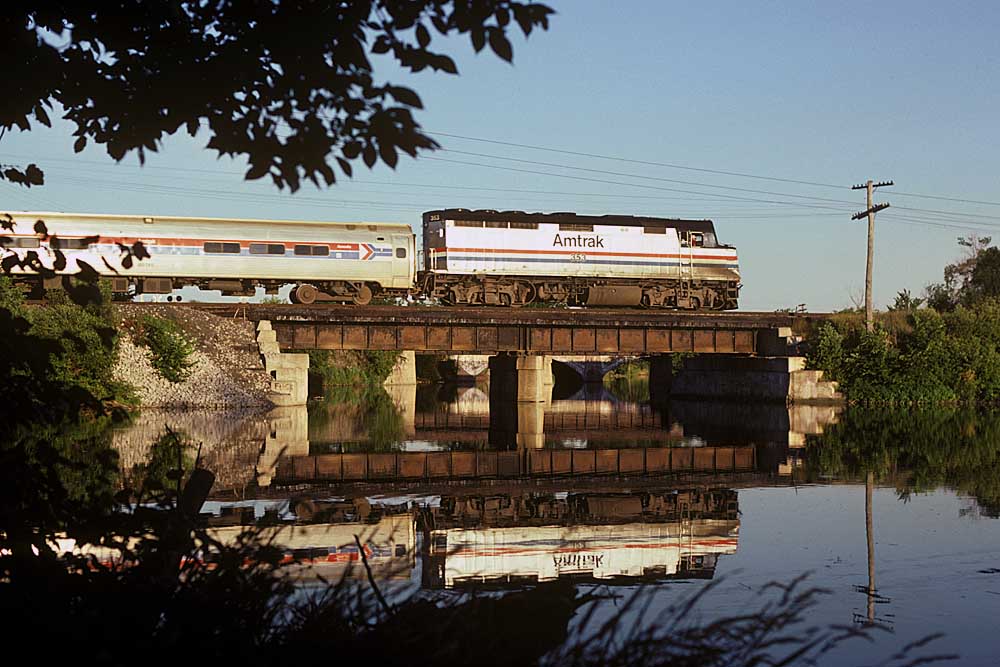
661	375
471	368
530	425
534	379
405	370
404	396
520	378
520	388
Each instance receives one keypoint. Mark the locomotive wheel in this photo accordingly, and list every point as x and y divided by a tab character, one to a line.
525	293
305	294
364	296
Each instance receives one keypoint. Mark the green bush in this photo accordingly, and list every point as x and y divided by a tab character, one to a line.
169	349
926	357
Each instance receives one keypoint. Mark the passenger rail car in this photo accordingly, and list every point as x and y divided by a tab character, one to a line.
344	262
514	258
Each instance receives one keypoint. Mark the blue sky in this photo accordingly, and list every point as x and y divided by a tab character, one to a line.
830	93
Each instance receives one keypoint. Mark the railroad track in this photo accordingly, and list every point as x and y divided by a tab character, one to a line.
496	316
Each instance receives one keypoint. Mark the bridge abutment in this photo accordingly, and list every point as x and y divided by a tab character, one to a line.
288	437
772	379
289	372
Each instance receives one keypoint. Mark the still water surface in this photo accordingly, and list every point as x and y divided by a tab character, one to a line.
751	495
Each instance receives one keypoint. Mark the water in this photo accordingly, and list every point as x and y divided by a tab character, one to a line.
751	494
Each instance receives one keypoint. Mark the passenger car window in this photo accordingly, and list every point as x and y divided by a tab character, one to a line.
216	247
401	253
70	244
312	250
267	249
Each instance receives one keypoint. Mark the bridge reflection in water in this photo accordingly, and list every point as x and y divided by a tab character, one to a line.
439	500
434	485
472	437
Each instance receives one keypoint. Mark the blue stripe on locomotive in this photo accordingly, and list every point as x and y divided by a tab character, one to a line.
614	262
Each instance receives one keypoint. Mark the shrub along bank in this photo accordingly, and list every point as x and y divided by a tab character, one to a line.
916	356
170	350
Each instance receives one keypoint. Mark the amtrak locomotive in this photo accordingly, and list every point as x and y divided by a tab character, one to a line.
469	257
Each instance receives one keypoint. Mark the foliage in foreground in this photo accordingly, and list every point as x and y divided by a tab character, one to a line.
57	360
128	75
915	356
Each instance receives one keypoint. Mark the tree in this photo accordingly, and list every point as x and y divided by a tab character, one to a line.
956	287
289	84
906	301
985	280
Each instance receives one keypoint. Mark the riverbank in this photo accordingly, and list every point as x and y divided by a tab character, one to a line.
225	372
915	356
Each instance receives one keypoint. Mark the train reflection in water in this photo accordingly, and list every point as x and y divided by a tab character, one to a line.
500	540
613	537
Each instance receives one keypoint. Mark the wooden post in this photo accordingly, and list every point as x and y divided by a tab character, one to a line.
870	212
869	315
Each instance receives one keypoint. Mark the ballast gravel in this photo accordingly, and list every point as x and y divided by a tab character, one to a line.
227	371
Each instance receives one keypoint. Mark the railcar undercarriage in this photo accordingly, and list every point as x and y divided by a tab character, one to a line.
487	290
123	289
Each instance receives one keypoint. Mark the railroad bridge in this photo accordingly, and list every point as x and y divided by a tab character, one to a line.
736	355
522	330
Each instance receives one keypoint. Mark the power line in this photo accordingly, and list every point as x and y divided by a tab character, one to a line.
711	197
954	199
645	162
972	226
952	214
697	169
633	185
651	178
24	195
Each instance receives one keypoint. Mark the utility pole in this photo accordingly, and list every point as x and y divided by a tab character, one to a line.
870	213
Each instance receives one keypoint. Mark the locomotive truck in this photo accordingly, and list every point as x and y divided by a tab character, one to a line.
469	257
